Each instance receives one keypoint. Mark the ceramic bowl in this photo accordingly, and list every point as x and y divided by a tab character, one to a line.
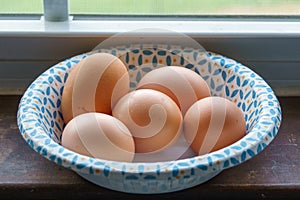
41	124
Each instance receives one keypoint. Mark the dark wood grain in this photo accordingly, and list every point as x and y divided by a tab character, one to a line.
274	173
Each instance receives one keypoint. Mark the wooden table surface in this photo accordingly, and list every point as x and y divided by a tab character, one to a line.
274	173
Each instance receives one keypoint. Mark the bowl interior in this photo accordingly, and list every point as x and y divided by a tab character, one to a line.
223	80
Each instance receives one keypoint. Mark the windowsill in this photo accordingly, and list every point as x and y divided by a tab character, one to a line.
272	174
191	27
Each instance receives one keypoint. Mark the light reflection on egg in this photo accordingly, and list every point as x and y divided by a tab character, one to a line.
152	117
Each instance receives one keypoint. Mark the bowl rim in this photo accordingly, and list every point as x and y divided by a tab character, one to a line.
213	160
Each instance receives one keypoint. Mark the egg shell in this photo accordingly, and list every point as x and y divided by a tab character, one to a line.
95	84
99	135
183	85
152	117
213	123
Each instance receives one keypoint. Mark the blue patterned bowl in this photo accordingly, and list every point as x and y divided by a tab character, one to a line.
40	120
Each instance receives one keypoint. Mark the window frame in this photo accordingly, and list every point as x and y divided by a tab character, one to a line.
243	39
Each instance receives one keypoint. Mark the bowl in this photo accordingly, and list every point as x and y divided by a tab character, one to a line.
41	123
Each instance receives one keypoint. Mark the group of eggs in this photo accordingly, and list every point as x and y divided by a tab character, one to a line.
104	119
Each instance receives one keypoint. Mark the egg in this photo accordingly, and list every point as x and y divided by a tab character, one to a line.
95	84
183	85
99	135
153	118
213	123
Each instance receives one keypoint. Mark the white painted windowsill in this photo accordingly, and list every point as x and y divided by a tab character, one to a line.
193	28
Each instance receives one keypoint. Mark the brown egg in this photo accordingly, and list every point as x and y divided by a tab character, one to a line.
99	135
183	85
213	123
95	84
152	117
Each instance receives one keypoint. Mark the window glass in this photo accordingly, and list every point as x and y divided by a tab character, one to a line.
21	6
160	7
186	7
